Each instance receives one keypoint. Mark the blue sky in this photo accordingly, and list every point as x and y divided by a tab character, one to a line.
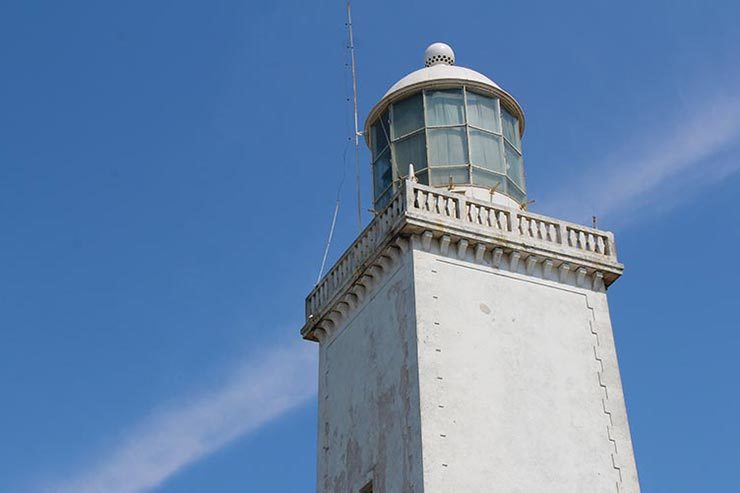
167	177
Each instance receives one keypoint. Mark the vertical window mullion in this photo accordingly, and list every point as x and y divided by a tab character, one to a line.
467	134
394	167
426	136
501	145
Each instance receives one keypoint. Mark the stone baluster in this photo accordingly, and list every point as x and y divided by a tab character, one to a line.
600	244
562	234
461	209
518	221
581	240
611	248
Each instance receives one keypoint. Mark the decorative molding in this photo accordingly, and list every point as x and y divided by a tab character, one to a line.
547	268
352	299
532	266
429	218
563	271
444	244
462	248
480	251
514	261
497	254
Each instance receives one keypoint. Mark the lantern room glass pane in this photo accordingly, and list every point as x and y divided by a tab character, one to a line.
408	115
515	166
410	150
379	140
383	200
379	135
511	129
483	112
445	107
382	174
485	151
514	192
487	179
441	176
447	146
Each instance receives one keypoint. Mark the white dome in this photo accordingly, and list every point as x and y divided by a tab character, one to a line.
437	53
440	72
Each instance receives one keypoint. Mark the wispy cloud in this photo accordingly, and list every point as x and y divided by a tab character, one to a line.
169	440
663	166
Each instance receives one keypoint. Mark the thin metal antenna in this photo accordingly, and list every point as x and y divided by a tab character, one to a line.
357	129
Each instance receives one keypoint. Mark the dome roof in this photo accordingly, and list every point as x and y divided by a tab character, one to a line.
440	73
437	73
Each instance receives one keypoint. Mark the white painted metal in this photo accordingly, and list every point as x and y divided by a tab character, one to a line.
439	53
440	72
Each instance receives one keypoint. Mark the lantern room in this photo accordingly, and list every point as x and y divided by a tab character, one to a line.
458	129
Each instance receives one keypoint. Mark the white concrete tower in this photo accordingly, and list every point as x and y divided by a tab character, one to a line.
465	343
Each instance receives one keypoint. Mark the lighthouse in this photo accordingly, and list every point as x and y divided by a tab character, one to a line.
465	344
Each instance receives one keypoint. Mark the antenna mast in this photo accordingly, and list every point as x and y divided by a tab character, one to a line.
357	129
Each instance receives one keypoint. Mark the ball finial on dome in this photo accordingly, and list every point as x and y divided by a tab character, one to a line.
437	53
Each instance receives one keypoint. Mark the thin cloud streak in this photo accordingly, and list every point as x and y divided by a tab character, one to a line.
647	172
168	441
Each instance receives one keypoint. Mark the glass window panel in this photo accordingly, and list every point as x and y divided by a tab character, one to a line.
411	150
380	135
487	179
447	146
382	175
445	107
459	175
408	115
511	129
515	193
514	166
383	200
379	140
485	151
483	112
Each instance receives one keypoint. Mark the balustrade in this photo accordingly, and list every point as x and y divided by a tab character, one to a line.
414	198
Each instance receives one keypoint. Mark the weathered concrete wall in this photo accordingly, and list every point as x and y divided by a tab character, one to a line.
369	426
519	383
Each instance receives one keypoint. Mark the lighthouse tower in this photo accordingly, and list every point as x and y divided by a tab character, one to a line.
465	342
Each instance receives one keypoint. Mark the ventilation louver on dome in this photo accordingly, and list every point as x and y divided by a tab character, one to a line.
447	60
439	53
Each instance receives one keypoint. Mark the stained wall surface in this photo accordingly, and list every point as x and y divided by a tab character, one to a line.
369	426
519	383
